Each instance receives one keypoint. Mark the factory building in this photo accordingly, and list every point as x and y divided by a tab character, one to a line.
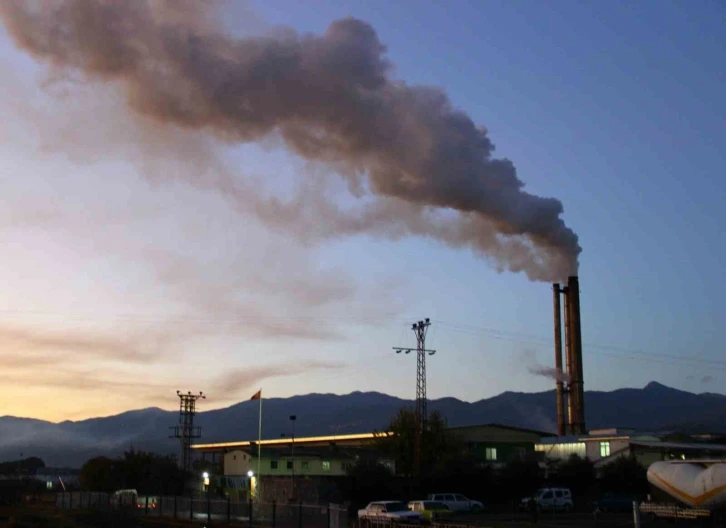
603	446
318	463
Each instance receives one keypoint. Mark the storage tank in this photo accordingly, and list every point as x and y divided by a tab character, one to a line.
699	484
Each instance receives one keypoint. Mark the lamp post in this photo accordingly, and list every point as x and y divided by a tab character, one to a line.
252	484
205	476
292	419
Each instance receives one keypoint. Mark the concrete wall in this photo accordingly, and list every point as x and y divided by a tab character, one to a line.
310	490
239	463
593	448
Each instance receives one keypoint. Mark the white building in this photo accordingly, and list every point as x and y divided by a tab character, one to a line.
602	446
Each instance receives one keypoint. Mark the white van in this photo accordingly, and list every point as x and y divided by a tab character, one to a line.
551	499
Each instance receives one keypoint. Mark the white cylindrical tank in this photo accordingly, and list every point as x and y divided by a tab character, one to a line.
697	485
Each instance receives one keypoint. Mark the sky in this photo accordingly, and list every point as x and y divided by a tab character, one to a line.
143	254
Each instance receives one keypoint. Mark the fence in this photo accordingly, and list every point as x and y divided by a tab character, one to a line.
209	511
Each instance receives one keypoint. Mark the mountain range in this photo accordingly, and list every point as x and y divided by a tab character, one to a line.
652	408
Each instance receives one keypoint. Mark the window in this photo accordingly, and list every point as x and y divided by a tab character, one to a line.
461	498
326	465
289	464
273	464
558	494
396	507
604	449
305	464
491	453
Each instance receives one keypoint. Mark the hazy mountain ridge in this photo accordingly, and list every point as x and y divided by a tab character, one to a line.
655	407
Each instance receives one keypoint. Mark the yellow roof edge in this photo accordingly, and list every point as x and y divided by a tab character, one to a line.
301	440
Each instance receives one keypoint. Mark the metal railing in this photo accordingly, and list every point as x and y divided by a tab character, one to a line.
208	510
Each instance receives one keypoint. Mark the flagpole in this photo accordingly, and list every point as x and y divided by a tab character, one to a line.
259	445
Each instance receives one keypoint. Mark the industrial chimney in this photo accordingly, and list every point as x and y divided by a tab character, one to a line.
574	394
560	390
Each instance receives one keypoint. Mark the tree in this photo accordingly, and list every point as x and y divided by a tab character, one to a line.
576	473
101	474
624	474
148	473
26	466
369	481
439	447
519	478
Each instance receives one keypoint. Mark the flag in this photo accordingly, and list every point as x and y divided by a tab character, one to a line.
257	395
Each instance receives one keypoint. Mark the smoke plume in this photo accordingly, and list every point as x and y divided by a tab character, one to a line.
548	372
331	99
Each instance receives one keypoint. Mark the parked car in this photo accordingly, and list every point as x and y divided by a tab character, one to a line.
456	502
144	502
615	502
394	511
430	509
551	499
124	498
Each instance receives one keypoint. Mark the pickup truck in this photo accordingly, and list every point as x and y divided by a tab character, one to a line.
389	511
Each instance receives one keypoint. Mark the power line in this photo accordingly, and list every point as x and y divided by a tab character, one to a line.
326	321
521	337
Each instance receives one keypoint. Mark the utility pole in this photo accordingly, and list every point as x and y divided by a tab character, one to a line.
186	431
420	329
293	417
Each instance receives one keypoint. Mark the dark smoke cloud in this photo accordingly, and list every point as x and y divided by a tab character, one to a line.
332	101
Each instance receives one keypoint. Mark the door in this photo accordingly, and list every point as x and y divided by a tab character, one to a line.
547	500
559	499
462	503
450	501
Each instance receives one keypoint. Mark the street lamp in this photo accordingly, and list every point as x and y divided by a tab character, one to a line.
205	476
292	419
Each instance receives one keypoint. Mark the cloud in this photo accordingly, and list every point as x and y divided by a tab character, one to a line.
134	390
239	382
39	346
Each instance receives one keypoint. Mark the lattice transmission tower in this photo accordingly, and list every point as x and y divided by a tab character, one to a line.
186	431
420	329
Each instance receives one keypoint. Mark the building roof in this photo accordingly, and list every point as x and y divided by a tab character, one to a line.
302	452
345	439
683	446
289	441
500	426
600	436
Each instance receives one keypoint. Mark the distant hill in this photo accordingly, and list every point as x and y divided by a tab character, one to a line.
655	408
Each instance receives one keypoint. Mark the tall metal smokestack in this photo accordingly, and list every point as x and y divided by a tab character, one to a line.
570	416
556	290
577	393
